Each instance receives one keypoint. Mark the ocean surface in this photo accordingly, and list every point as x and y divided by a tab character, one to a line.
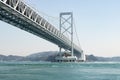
59	71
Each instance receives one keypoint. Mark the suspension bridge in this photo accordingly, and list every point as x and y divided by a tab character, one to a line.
19	14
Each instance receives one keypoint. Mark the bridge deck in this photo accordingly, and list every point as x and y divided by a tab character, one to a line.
17	13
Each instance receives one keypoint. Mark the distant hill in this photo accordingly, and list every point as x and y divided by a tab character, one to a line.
11	58
41	56
90	58
50	56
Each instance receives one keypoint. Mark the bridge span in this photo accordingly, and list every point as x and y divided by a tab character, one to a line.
19	14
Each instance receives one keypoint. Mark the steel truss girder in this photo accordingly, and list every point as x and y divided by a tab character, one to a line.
19	14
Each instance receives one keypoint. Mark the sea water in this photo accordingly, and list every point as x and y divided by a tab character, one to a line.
59	71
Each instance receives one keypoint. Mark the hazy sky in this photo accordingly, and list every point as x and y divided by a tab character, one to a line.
97	23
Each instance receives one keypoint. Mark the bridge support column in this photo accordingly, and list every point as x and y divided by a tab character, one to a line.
60	50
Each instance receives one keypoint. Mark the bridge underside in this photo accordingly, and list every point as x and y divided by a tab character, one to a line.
13	17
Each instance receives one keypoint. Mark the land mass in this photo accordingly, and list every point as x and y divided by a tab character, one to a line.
50	56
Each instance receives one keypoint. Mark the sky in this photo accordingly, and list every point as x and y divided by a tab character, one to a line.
97	23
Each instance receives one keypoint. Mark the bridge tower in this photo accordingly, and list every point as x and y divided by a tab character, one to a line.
66	26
